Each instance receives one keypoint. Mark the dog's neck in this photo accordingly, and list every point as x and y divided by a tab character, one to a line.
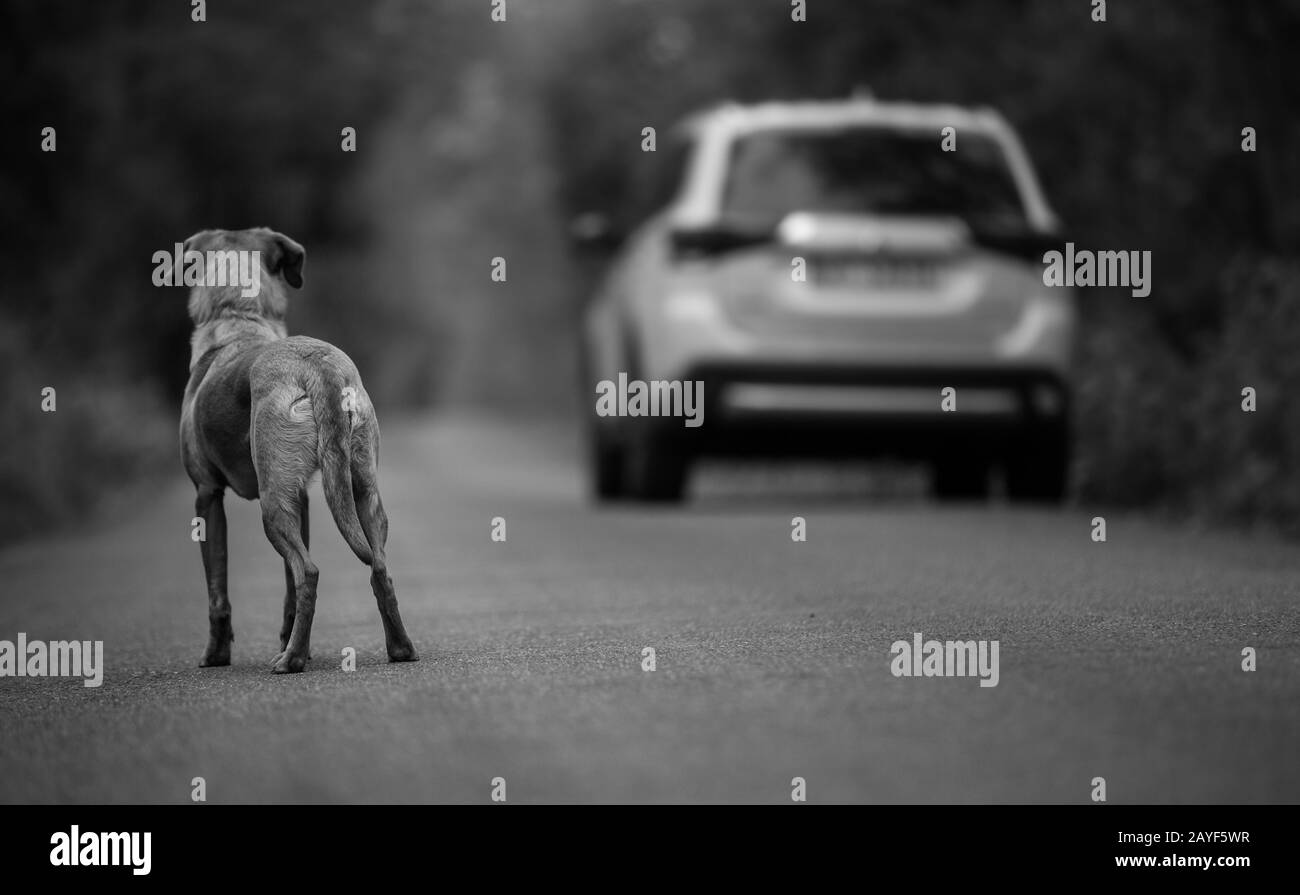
226	330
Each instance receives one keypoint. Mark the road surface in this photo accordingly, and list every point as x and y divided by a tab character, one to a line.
1119	660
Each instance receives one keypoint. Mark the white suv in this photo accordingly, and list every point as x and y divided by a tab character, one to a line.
828	271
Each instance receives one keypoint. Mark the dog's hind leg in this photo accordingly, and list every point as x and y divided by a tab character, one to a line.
290	589
374	522
283	442
282	514
209	506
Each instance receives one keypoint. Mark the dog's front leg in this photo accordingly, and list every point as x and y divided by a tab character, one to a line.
209	506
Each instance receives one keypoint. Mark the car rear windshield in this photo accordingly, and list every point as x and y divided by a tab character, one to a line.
874	171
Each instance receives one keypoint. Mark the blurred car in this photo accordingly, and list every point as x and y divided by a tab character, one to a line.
828	270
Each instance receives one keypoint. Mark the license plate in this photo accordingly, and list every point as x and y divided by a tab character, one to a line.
879	274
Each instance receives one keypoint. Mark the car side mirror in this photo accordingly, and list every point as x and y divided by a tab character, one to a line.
595	233
1021	242
716	239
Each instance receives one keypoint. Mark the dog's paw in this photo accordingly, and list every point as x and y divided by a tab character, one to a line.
403	653
213	658
285	663
284	645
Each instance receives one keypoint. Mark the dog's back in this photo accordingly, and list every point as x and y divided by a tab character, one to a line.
264	416
309	411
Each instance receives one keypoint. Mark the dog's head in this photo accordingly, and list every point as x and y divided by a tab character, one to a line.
244	272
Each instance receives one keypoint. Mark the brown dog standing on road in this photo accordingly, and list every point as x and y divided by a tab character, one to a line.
262	413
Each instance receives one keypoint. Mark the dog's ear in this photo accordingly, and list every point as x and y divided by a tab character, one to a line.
194	242
286	257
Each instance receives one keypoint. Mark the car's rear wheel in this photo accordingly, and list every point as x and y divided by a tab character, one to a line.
656	470
1038	469
961	478
606	467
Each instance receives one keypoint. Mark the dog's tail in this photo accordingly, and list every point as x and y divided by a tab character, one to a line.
335	403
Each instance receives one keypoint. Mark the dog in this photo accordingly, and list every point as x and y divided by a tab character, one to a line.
262	413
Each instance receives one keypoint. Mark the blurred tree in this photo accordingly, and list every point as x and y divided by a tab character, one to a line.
479	138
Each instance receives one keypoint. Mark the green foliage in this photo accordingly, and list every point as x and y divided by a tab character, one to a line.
164	127
479	139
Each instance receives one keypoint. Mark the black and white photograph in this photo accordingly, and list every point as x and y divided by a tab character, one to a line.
873	403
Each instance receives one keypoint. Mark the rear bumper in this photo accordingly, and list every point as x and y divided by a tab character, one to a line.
826	411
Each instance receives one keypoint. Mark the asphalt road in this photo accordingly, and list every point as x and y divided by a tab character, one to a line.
1120	660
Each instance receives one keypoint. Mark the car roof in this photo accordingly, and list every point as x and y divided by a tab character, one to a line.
715	129
736	119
